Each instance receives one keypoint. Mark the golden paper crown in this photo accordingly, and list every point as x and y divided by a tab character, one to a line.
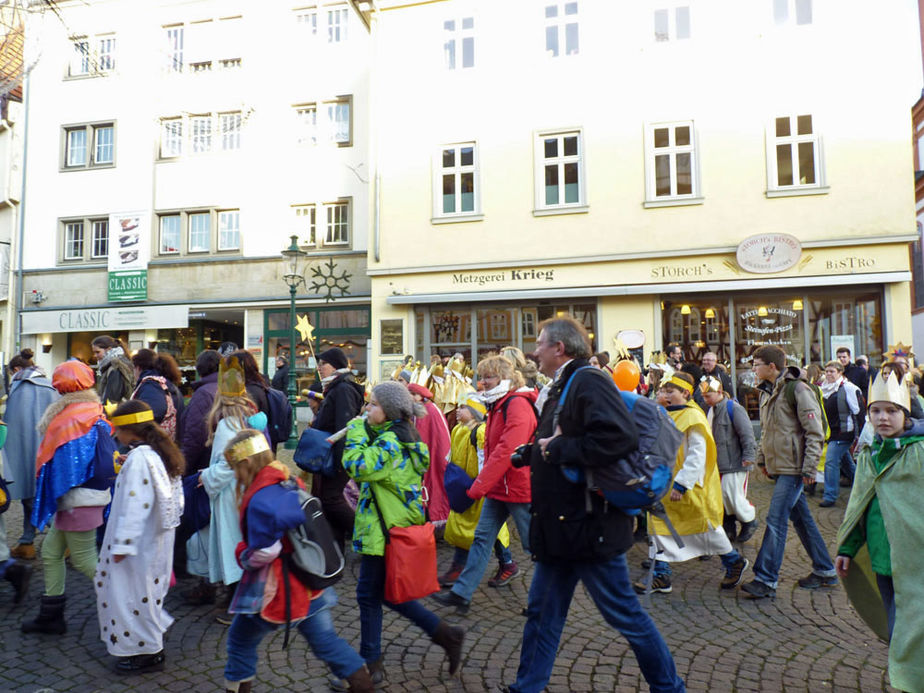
129	419
247	448
890	390
680	384
231	378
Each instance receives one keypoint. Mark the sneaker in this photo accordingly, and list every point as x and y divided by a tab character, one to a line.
448	579
646	564
224	619
826	504
504	575
24	552
450	598
660	583
758	590
813	582
747	530
735	574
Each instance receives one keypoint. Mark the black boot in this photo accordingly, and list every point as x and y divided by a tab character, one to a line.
18	575
729	524
450	638
139	664
50	618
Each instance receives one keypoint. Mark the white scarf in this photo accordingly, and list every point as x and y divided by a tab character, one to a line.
495	393
329	379
828	389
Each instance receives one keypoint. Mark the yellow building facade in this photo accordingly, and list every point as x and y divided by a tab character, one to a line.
645	170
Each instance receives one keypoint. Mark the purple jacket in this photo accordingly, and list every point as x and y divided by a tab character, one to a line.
194	430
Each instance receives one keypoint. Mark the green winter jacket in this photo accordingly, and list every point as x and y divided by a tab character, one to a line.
389	460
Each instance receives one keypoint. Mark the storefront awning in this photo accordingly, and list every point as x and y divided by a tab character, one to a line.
105	319
653	289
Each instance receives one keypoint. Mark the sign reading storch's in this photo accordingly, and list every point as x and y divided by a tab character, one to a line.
129	250
768	252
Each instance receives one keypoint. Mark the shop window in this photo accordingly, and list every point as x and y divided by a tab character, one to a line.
559	174
561	29
794	157
672	175
83	240
672	24
456	190
459	43
91	145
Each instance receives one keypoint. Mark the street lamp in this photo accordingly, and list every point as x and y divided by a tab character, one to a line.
291	256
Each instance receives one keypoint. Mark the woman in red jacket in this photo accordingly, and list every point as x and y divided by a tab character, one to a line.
511	422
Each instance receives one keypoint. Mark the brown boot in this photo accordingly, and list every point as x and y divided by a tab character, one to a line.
360	681
450	638
25	552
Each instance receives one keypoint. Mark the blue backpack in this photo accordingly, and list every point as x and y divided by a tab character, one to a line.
643	477
279	415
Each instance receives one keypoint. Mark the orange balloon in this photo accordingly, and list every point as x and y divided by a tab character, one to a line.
625	375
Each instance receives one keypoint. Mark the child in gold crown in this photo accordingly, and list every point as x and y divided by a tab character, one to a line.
885	586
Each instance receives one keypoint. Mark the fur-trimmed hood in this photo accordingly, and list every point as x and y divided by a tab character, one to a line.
57	407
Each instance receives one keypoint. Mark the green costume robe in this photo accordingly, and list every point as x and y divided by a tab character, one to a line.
899	488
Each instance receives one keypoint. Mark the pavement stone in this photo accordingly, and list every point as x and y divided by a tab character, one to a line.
800	641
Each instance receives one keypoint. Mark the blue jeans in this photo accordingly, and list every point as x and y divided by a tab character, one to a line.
788	504
247	630
370	594
28	531
663	568
460	556
608	585
494	513
838	451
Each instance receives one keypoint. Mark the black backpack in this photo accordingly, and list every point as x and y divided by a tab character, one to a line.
316	559
279	416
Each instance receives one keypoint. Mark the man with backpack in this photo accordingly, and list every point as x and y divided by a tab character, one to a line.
845	410
792	436
576	535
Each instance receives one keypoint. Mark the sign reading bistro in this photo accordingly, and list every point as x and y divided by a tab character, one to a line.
768	252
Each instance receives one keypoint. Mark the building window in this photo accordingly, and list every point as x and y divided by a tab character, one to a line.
201	131
198	46
229	230
88	146
92	55
671	161
306	218
170	234
336	124
794	155
230	128
227	127
337	25
307	19
336	216
672	24
107	45
560	177
171	138
456	183
199	231
459	46
77	244
80	60
561	29
789	12
175	35
338	223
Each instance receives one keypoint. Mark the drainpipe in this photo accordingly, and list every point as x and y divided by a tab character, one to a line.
377	220
17	305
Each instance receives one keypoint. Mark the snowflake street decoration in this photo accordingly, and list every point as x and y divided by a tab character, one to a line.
325	280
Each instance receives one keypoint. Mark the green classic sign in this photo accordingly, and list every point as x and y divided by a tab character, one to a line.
128	285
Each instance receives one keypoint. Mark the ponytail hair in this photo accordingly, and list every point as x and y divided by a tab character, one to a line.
153	435
104	341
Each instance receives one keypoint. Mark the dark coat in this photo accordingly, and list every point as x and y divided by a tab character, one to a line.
597	429
724	378
859	376
257	392
152	394
734	437
281	379
343	399
194	428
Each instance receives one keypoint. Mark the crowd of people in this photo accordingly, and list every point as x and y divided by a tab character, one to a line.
138	488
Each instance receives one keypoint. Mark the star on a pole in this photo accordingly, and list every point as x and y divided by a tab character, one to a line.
304	328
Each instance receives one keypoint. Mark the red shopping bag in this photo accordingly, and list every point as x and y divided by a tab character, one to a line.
410	563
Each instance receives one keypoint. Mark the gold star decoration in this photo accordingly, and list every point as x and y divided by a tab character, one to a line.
304	328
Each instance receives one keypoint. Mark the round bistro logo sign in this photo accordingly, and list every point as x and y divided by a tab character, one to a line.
768	252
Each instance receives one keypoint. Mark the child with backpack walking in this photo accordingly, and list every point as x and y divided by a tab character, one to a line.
694	505
133	573
736	452
269	593
883	579
467	453
384	455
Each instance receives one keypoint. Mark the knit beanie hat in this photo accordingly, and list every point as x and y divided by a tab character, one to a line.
335	357
395	400
476	407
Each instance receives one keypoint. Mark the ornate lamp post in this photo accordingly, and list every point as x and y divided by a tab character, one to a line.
291	257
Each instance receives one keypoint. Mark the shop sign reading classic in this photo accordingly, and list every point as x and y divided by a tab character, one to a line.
105	319
768	252
514	275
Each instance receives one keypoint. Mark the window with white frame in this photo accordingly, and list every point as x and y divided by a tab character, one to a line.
175	38
92	55
229	229
459	43
456	185
789	12
671	165
84	240
559	175
335	124
794	154
199	46
306	223
198	231
307	20
338	223
90	145
226	128
336	220
672	23
337	19
561	29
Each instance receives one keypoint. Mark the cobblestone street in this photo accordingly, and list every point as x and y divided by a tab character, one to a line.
801	641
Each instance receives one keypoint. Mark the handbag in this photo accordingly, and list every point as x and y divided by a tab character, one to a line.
315	453
410	560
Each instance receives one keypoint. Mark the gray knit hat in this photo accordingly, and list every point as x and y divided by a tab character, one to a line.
395	401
